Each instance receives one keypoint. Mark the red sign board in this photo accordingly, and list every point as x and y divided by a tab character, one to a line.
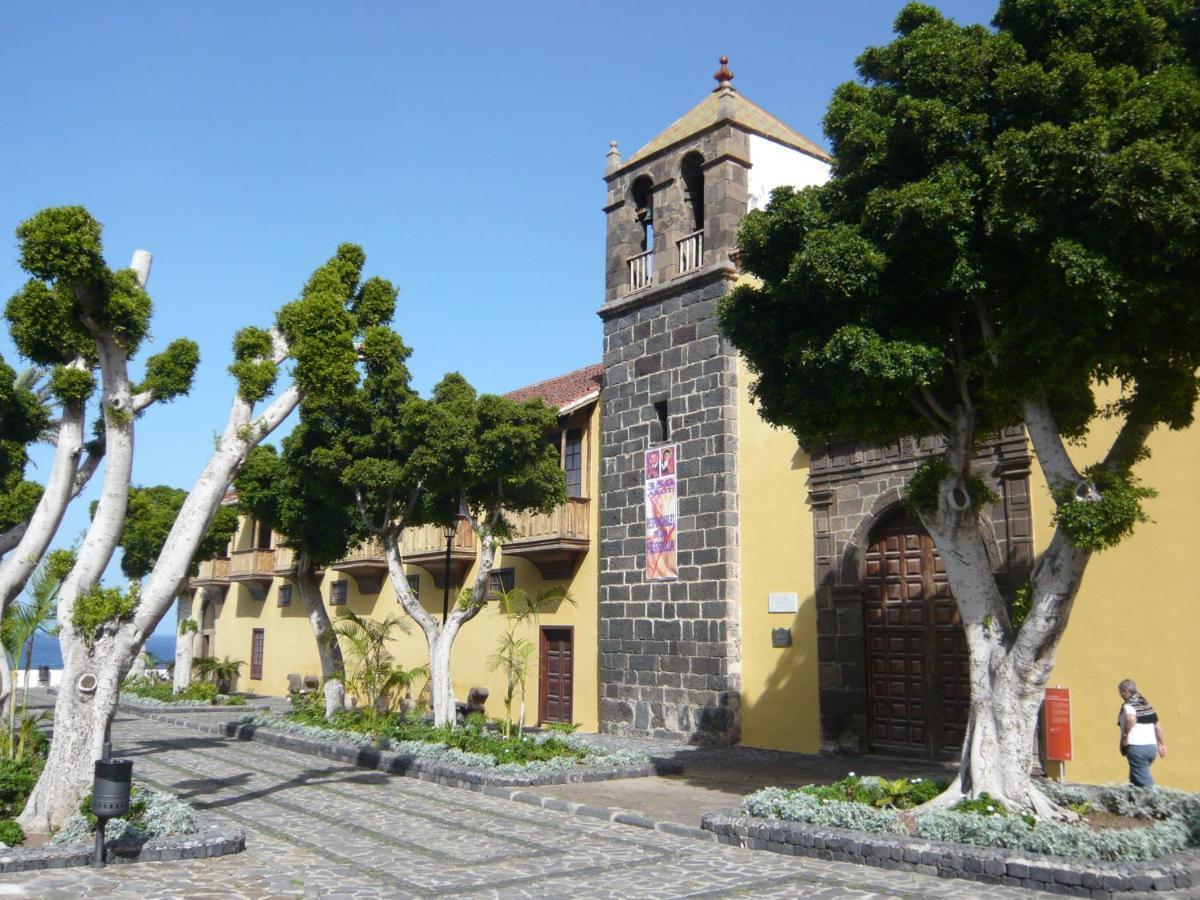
1056	719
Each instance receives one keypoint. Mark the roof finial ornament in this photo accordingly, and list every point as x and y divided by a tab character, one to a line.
612	160
723	76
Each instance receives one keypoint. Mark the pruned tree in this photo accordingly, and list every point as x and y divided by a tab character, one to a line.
1012	220
407	461
78	307
304	500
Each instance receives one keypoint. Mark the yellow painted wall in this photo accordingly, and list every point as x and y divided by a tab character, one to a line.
779	685
1136	616
289	646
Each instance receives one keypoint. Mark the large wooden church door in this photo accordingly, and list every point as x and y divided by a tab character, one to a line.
918	687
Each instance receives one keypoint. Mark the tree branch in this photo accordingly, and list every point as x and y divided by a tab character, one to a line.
937	407
1128	444
1048	445
986	329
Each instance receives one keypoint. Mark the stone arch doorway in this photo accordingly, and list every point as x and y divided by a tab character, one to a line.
918	685
208	627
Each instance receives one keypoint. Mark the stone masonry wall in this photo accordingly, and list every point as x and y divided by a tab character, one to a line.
670	651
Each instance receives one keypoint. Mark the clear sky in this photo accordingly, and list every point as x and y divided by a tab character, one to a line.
462	145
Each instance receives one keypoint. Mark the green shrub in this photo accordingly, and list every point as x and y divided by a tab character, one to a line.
17	778
882	793
805	806
198	690
11	834
562	727
983	805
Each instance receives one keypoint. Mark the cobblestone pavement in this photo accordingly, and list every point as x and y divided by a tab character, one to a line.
321	829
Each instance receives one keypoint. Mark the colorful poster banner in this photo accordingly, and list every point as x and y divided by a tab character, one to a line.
662	558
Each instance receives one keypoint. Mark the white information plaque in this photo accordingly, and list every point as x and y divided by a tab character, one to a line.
783	603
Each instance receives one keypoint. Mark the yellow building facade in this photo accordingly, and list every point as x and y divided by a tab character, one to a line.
772	629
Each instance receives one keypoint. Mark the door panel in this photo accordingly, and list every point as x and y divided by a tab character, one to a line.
556	675
918	687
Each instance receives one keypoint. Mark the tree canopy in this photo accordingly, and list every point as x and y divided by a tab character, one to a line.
148	519
1013	214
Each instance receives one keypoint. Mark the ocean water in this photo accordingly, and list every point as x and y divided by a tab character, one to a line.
46	652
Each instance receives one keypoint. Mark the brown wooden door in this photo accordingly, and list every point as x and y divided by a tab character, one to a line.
918	687
555	675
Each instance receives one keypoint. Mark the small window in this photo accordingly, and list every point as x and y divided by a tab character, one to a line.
664	422
414	585
501	581
573	463
285	595
257	637
337	593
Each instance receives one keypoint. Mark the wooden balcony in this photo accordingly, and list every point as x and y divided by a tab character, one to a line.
641	270
255	569
425	546
691	251
366	564
213	573
285	561
554	542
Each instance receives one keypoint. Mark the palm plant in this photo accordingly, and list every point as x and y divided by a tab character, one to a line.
36	380
20	628
514	653
221	672
373	673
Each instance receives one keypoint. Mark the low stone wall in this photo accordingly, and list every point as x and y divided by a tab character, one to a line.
987	865
415	766
210	840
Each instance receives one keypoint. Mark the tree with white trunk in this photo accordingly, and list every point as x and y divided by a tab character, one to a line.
395	460
1013	220
101	316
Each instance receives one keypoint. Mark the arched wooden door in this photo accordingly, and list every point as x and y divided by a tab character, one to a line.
918	686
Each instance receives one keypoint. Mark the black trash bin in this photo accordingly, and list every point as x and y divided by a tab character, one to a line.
110	788
43	676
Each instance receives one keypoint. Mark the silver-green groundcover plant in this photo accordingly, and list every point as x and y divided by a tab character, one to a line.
1176	825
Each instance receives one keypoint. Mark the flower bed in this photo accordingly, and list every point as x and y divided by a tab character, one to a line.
471	747
156	692
1172	818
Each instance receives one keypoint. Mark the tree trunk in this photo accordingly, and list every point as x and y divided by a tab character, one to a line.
185	645
333	665
441	685
1009	667
439	637
81	726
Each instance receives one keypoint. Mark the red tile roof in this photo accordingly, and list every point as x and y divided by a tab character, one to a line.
563	390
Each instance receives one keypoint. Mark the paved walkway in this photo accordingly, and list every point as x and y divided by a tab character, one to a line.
319	829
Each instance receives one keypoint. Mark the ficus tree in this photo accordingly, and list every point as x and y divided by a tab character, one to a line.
305	502
1012	220
407	461
96	318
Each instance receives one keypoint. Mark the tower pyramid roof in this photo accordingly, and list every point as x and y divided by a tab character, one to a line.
725	104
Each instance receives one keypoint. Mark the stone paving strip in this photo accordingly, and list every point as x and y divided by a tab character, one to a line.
316	828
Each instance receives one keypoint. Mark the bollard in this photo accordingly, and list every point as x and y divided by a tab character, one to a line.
111	787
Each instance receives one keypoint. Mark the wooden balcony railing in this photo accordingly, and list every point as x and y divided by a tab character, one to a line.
422	540
285	560
213	571
641	270
254	568
691	251
366	564
554	541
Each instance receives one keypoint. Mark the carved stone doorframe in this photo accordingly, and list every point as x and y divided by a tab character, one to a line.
852	489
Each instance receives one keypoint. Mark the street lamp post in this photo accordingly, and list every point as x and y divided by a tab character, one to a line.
449	531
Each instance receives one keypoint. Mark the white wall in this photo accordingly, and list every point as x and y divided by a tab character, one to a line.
773	165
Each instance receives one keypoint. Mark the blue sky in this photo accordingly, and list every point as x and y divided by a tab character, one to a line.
461	146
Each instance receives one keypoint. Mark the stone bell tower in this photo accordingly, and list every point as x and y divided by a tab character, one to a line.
670	647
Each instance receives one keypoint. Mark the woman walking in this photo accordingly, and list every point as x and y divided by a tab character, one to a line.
1141	734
